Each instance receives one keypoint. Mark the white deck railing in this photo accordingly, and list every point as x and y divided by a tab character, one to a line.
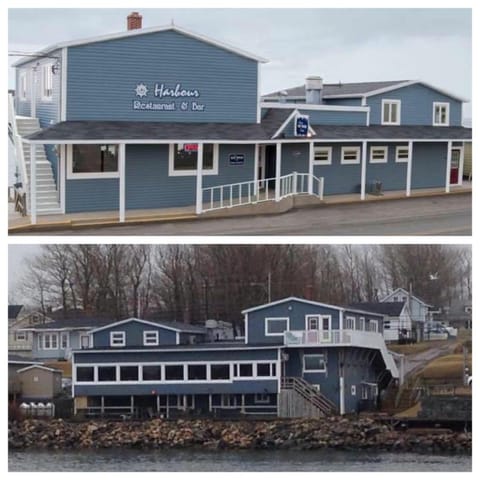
353	338
18	144
257	191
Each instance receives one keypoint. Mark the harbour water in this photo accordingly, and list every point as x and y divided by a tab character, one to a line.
190	460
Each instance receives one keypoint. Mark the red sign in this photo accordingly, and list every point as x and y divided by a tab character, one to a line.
191	147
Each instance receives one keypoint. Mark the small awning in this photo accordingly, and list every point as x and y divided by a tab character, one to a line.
90	131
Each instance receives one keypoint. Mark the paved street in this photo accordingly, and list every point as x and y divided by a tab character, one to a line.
442	215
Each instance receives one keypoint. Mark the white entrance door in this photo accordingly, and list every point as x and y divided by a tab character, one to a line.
318	328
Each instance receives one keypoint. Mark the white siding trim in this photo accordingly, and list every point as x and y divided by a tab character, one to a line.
409	168
63	176
309	106
259	93
122	181
63	87
363	173
449	166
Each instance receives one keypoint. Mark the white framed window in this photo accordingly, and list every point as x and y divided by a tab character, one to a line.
322	155
441	114
276	327
47	82
361	324
150	338
373	324
266	370
50	341
350	155
261	398
64	340
378	154
182	159
364	392
313	322
314	363
92	161
402	154
117	339
353	390
22	87
84	341
20	336
349	323
391	112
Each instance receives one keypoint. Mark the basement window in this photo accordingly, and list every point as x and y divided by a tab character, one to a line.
92	161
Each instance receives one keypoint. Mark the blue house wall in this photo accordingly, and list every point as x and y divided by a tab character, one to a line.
338	178
292	309
429	164
393	175
134	334
416	107
103	76
91	195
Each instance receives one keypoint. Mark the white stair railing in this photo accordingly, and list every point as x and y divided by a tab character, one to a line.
257	191
18	144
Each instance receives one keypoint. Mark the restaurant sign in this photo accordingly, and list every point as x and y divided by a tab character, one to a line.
167	98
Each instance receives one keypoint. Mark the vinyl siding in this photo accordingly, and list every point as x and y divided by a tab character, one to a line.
338	178
318	117
417	105
393	175
347	102
133	335
295	158
91	195
294	310
429	165
102	78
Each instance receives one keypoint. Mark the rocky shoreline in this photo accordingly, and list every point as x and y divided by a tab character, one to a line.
305	434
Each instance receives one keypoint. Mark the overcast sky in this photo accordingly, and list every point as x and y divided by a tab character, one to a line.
346	45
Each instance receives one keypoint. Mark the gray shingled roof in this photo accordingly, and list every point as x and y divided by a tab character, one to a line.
14	310
273	119
402	132
128	130
359	88
85	322
393	309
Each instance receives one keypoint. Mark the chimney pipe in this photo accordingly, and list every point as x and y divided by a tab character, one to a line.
313	90
134	21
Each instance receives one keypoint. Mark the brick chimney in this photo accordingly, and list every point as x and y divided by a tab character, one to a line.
134	21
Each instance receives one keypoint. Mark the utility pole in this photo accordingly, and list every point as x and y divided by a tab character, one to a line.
269	287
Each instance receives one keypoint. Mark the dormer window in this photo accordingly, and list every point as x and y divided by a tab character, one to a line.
150	338
117	339
441	114
391	112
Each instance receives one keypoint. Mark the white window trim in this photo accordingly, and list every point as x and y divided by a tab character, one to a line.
67	336
113	342
353	390
350	318
20	336
154	342
364	392
397	151
46	67
316	370
376	160
318	318
85	335
23	86
343	161
361	321
188	173
51	335
268	319
441	104
325	149
399	107
79	176
373	325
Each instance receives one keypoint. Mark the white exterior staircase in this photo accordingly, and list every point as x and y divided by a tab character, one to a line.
47	193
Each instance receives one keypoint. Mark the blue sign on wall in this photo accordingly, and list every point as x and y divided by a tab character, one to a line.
301	126
236	158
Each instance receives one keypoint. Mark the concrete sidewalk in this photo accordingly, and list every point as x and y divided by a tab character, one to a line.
19	224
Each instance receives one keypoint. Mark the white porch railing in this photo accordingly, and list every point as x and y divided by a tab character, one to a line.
353	338
18	145
257	191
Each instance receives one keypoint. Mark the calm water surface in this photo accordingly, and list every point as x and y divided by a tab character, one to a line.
188	460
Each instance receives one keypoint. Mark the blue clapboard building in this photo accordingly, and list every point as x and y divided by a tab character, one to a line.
297	358
159	118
